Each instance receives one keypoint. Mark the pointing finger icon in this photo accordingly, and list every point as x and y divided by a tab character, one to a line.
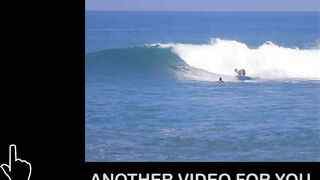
12	155
16	169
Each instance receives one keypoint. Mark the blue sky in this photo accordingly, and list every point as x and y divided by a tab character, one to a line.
205	5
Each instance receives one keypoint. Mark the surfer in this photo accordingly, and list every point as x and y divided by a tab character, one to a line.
240	72
220	80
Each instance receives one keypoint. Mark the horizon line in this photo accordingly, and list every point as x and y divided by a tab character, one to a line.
199	10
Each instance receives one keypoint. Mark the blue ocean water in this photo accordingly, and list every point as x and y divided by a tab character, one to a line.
152	95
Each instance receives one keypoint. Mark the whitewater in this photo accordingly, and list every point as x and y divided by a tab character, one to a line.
268	61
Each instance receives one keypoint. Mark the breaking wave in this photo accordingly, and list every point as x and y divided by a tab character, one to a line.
205	61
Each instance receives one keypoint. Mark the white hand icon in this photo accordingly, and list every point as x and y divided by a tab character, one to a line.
17	169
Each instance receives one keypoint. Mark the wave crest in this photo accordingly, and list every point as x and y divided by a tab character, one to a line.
268	61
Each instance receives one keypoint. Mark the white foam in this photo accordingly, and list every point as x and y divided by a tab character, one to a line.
268	61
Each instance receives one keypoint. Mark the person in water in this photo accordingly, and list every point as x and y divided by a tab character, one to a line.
240	72
220	80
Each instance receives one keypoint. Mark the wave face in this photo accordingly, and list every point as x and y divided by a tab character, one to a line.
141	63
268	61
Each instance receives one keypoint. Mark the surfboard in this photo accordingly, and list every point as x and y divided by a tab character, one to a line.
243	77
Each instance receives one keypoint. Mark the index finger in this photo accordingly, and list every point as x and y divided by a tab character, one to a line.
12	154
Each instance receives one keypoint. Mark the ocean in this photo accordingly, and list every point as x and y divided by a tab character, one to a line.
152	91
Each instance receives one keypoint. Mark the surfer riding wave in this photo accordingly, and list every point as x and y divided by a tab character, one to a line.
240	72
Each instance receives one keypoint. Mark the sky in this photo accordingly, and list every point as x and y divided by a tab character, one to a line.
204	5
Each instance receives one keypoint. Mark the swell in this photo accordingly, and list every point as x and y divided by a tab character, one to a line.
140	63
